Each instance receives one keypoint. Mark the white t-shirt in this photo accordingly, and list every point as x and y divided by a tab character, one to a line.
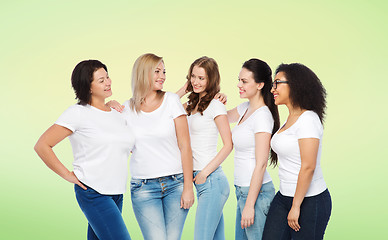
204	134
101	143
285	144
243	136
156	153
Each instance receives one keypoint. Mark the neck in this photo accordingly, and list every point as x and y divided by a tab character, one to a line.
202	94
256	102
151	96
99	103
294	111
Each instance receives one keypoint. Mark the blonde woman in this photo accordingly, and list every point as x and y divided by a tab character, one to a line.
161	165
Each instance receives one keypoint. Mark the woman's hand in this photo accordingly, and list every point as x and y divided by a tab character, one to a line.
221	97
115	105
293	217
200	178
247	217
73	179
187	198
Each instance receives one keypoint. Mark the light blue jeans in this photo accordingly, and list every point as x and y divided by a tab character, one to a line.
263	202
156	204
212	195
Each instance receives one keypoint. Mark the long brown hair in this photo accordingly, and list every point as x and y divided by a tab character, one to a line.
212	87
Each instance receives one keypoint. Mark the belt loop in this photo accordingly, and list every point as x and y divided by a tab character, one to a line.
145	181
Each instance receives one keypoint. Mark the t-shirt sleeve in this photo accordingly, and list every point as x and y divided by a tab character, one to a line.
263	122
217	108
70	118
241	108
175	105
309	126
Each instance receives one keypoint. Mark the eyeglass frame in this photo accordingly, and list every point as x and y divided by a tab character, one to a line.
276	82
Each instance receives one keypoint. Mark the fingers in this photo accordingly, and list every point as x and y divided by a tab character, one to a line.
186	204
81	185
194	178
294	225
245	223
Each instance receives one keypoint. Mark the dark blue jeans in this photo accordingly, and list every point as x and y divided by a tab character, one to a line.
314	215
103	213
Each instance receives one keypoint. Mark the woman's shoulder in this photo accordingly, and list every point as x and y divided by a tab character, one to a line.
309	115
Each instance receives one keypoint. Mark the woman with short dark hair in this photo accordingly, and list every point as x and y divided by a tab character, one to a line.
302	207
101	142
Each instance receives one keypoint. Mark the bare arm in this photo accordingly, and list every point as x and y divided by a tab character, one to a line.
226	136
308	154
182	133
233	115
262	147
182	91
43	148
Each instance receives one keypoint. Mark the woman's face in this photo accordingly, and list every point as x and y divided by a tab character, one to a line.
101	84
159	76
198	80
247	86
282	92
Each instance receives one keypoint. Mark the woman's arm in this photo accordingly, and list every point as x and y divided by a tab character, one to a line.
182	91
308	153
182	133
226	136
262	147
43	148
233	115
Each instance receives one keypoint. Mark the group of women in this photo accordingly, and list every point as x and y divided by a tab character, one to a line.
174	145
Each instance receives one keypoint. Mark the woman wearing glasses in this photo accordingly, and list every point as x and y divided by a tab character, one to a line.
302	207
257	120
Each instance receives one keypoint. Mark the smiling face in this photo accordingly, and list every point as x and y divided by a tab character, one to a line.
159	76
282	92
100	87
198	80
247	86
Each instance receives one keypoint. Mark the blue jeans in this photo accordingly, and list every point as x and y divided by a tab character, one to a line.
212	196
314	215
156	204
103	213
263	202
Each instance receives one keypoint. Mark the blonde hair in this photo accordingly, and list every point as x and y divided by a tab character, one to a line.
142	78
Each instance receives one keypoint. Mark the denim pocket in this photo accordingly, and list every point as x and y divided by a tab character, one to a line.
136	184
178	177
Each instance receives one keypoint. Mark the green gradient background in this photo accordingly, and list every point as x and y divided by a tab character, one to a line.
344	42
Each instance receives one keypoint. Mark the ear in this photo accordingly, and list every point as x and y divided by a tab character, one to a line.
260	85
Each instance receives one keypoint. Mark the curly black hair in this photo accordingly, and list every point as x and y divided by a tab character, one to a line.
82	77
306	90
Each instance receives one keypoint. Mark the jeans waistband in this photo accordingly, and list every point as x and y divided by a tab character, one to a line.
160	179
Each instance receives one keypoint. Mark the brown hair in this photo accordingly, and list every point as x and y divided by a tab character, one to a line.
212	88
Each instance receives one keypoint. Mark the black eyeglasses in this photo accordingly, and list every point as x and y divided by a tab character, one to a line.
276	82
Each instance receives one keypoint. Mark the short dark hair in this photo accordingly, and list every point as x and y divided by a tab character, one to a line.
82	77
263	73
306	90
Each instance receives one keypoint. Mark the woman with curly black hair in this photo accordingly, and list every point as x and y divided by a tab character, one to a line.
302	207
